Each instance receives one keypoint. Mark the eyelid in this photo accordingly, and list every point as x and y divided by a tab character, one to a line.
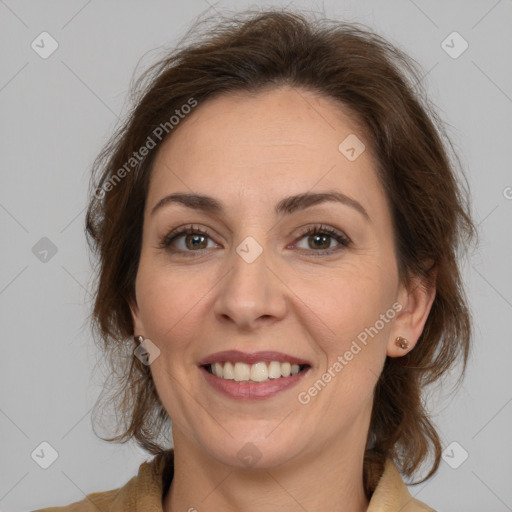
342	239
183	231
322	228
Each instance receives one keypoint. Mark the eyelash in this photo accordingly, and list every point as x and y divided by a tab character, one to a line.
342	239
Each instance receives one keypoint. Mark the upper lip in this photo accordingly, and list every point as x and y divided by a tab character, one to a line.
251	358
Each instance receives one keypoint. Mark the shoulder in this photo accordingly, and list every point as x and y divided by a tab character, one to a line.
392	494
142	492
91	503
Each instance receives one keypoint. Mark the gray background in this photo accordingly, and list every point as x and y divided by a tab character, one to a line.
56	114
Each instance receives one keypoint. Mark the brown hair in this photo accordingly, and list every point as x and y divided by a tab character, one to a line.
381	88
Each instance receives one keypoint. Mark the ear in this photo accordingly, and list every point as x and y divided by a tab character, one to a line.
416	301
138	327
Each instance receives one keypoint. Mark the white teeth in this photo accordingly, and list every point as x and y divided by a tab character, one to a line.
242	371
274	370
259	372
218	369
228	372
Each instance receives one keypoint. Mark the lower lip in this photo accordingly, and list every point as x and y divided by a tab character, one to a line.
251	390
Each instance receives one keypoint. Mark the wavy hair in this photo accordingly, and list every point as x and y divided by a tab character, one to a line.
381	88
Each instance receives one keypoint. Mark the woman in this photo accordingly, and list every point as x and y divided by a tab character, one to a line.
277	226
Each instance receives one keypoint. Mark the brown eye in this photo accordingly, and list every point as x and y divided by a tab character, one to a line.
319	241
186	240
195	241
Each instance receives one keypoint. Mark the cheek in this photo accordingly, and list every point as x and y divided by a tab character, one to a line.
170	302
356	311
353	338
172	305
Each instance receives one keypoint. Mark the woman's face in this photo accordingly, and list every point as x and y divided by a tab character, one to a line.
255	278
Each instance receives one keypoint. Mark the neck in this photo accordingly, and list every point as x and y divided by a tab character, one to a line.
331	479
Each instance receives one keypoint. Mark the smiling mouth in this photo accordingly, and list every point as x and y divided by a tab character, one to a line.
255	373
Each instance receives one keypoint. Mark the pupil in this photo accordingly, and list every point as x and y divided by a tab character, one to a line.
195	241
316	238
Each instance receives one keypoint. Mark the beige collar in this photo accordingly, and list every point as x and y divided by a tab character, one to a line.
392	495
143	493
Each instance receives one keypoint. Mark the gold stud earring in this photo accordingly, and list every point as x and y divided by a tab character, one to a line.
401	342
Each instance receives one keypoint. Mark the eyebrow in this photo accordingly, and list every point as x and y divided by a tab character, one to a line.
286	206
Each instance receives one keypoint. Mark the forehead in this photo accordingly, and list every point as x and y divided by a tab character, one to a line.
263	145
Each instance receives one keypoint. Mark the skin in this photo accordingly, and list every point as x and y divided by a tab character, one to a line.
249	152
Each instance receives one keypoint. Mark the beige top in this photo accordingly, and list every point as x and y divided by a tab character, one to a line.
144	492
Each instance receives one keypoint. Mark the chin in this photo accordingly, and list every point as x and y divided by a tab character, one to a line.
256	452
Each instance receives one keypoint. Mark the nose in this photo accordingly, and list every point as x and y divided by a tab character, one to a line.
251	294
